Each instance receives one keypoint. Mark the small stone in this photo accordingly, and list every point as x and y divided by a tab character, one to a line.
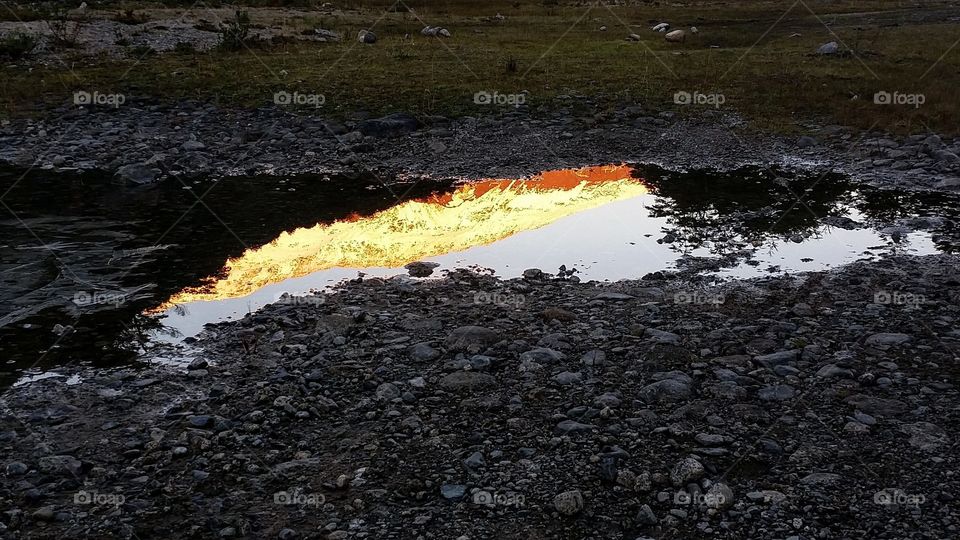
645	516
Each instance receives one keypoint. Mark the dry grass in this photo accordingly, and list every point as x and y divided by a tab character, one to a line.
764	73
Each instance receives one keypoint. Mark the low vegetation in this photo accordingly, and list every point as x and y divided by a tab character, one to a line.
760	56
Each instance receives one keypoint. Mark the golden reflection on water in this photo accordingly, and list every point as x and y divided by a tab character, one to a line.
474	214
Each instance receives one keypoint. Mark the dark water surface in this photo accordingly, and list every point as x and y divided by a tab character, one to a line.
82	259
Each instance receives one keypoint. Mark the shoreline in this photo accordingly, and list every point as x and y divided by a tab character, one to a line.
801	405
142	142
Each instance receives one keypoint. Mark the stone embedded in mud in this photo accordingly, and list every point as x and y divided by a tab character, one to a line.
569	503
472	338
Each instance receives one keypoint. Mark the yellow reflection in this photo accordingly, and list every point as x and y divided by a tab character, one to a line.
474	214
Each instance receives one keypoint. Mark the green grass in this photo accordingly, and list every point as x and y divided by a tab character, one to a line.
769	77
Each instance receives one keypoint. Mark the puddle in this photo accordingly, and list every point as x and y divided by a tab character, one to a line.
84	261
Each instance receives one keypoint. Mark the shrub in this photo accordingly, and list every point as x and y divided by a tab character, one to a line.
235	33
18	45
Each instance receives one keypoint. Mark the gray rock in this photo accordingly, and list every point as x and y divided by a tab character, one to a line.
423	352
645	516
453	492
569	503
387	392
16	468
138	174
778	358
420	268
61	464
686	471
806	142
475	461
594	358
366	36
572	426
778	392
192	146
472	338
666	390
720	496
567	378
886	339
925	436
829	48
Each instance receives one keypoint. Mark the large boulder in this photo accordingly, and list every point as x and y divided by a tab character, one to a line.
677	36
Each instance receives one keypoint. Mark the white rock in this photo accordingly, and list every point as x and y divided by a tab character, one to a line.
677	36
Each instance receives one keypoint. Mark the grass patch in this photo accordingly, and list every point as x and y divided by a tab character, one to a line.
767	72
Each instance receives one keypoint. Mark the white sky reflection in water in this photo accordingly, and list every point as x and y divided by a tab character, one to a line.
616	240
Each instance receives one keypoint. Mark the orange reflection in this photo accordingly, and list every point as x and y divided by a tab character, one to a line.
474	214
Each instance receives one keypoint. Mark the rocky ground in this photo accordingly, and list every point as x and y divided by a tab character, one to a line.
143	142
810	406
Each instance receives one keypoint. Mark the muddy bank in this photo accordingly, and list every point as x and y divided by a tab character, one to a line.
818	405
145	142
